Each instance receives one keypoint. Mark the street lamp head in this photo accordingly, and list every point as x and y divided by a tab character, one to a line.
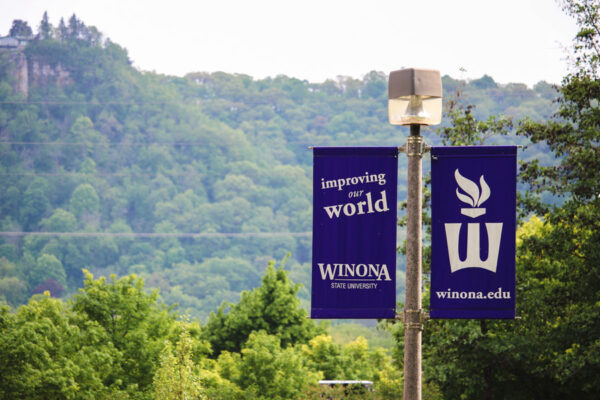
415	97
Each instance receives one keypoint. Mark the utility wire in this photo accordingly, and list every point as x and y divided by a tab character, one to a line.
116	174
191	143
160	235
104	143
94	103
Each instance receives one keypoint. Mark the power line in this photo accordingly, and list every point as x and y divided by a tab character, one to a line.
190	143
101	103
105	143
160	235
115	174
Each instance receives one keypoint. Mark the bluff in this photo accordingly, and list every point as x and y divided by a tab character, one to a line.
25	69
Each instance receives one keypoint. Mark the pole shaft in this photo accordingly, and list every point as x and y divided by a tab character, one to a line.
413	313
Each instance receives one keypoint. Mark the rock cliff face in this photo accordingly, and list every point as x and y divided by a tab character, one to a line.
35	72
41	74
17	68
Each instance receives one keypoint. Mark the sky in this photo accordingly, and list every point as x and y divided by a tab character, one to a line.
518	41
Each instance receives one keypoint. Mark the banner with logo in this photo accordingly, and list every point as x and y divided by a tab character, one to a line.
354	232
473	210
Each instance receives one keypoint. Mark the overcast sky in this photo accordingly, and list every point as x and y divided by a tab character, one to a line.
522	41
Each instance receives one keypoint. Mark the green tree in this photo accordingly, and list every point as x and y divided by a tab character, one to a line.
83	135
35	203
268	371
573	134
175	378
47	266
13	289
135	322
562	260
362	363
62	30
45	28
44	355
552	351
273	307
20	28
84	201
324	356
60	221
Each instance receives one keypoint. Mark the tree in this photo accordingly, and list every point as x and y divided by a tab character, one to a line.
273	307
268	371
35	203
565	253
175	378
84	201
51	286
134	322
20	28
63	32
573	134
60	221
559	263
45	28
44	355
561	259
552	351
47	266
324	356
76	28
13	290
465	129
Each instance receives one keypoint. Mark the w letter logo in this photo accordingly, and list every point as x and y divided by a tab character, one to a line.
475	196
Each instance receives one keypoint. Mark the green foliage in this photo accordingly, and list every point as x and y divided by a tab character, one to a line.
347	332
273	307
465	128
45	355
84	201
47	266
175	378
35	203
134	322
45	28
552	351
272	372
573	134
20	28
59	221
13	288
560	260
114	340
325	356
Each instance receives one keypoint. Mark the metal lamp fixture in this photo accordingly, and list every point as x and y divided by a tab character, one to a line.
415	97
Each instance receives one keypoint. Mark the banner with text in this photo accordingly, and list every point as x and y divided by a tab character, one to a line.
354	232
473	210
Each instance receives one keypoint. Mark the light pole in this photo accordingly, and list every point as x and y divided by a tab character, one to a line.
415	99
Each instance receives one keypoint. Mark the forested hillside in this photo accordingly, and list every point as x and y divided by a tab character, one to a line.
193	183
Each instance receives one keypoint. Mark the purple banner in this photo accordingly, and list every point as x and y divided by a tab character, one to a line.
473	210
354	232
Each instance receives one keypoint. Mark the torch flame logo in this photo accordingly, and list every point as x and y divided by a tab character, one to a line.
475	196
